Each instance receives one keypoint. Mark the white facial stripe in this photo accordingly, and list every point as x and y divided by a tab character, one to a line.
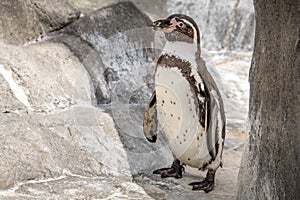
194	29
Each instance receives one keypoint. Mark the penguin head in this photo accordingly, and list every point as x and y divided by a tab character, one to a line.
178	27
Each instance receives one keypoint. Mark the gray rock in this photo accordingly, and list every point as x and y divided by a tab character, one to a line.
18	22
270	164
43	135
106	41
154	9
224	24
25	21
47	76
92	61
8	101
110	20
63	146
55	14
78	140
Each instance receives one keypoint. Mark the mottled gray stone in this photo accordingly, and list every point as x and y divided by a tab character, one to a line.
23	21
51	77
55	14
19	22
45	134
154	9
8	101
90	37
270	166
110	20
224	24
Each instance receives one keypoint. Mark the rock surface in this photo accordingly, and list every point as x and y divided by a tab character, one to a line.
55	143
55	120
270	167
24	21
224	24
121	27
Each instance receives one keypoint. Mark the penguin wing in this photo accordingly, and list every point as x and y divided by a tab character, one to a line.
150	120
214	111
215	125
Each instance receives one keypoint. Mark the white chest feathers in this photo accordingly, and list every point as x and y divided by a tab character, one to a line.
178	116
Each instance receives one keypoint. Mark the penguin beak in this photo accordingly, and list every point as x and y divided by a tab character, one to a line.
164	25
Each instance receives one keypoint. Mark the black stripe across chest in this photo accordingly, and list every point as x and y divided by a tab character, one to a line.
185	67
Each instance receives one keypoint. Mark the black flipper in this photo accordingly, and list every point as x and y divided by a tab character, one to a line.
150	120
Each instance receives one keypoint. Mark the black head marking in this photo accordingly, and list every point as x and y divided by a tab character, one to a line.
179	27
184	31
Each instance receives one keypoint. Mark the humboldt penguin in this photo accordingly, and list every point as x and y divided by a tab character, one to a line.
186	105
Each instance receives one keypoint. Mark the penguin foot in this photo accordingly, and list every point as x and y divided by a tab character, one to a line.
207	184
174	171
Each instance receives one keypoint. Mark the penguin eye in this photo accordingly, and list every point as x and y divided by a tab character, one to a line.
181	24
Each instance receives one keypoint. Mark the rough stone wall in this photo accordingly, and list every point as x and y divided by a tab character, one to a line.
24	21
270	166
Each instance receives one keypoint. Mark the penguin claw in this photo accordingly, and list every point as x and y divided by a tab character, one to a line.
205	185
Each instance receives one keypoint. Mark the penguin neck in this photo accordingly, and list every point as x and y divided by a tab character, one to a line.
182	50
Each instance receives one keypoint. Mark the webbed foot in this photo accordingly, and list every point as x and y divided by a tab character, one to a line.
207	184
174	171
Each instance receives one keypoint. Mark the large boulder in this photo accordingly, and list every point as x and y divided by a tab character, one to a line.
105	41
66	81
24	21
47	123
